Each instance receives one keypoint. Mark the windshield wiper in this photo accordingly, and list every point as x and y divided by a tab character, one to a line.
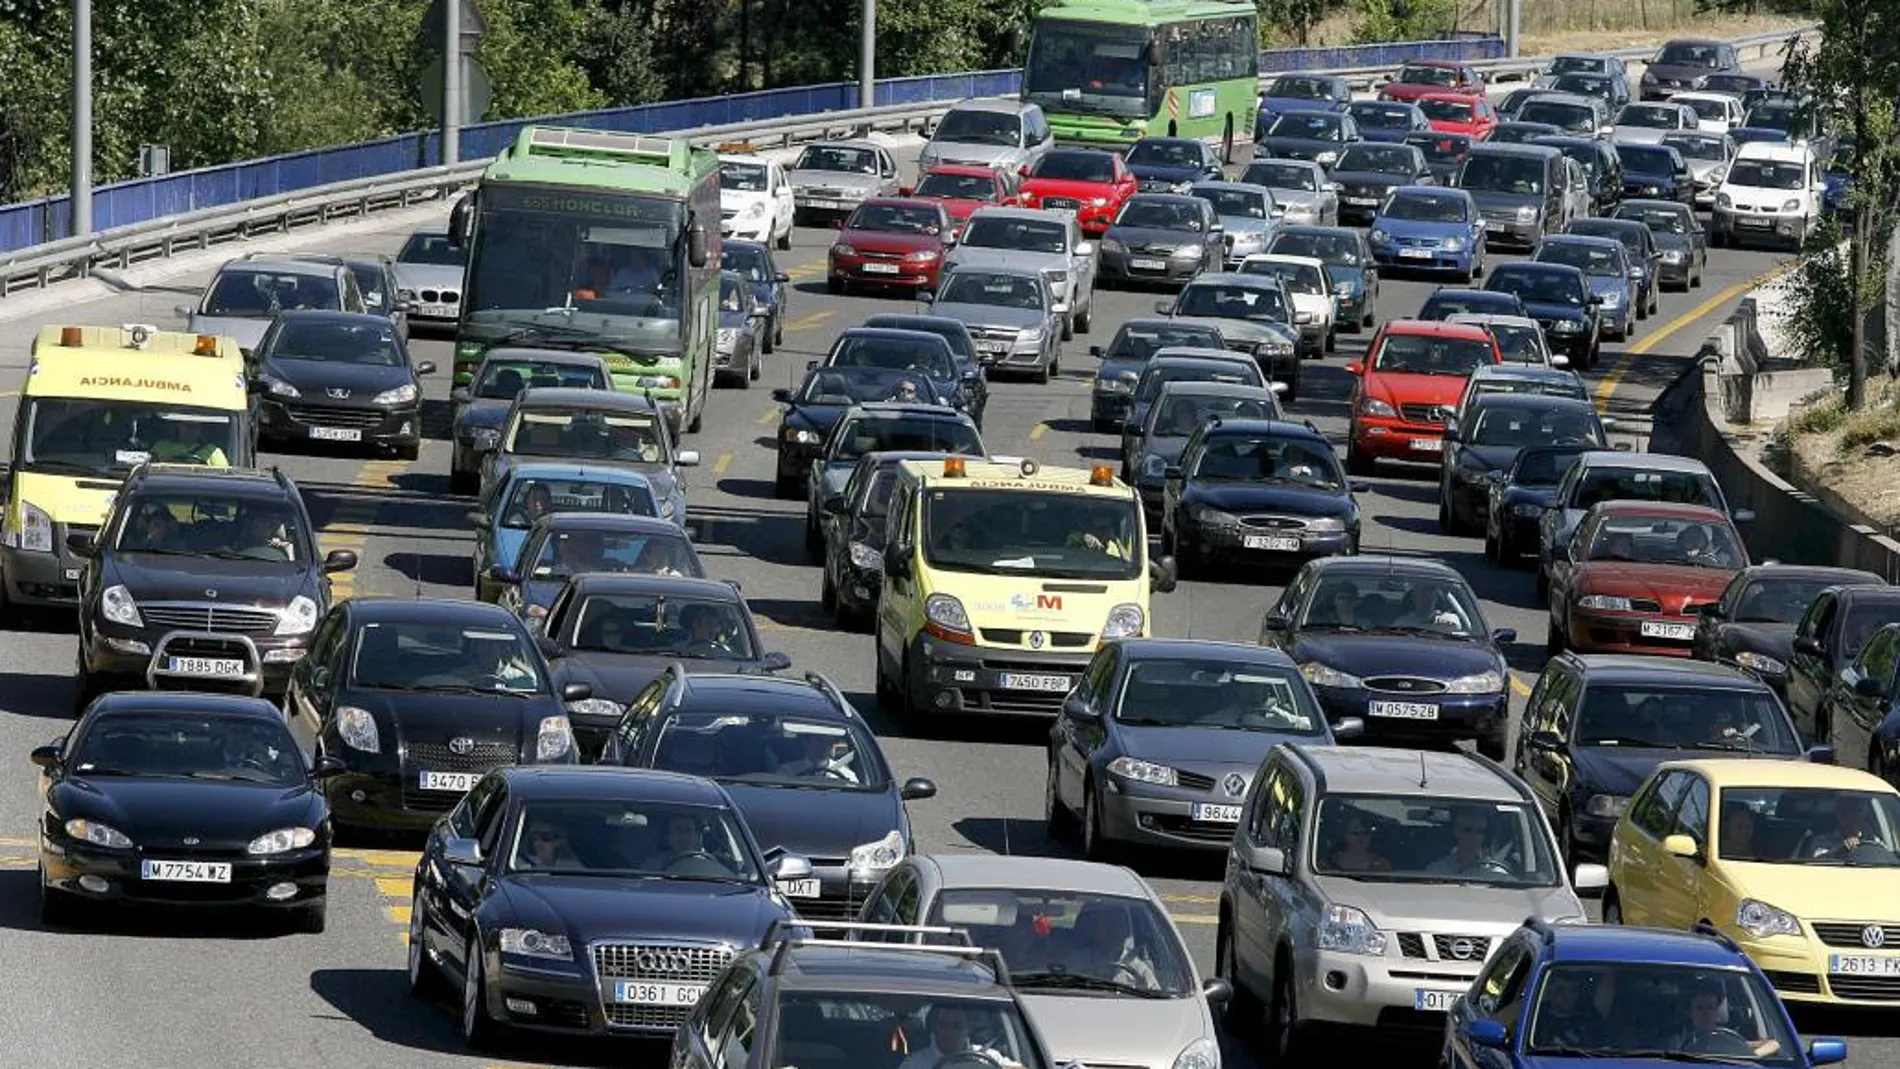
70	467
1077	982
107	770
238	776
1424	632
1624	740
1330	627
1574	1052
1689	1056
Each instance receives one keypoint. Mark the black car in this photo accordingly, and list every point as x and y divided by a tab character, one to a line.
338	377
1656	172
1596	726
1400	642
973	390
1518	500
1447	301
482	406
1644	255
1680	236
1387	120
1179	727
817	404
1257	491
618	632
1368	173
1307	134
1682	65
1179	365
1832	636
1751	626
1483	443
926	350
562	545
182	800
1120	364
200	578
587	901
1602	168
853	526
771	288
1179	410
1172	164
876	428
799	763
419	698
1444	153
1863	708
1559	297
1349	264
1516	133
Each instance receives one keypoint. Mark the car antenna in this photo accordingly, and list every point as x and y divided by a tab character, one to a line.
1421	770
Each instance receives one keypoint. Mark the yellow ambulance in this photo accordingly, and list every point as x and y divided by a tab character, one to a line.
97	402
1000	581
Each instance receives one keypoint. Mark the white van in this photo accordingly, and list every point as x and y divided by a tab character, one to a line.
1774	192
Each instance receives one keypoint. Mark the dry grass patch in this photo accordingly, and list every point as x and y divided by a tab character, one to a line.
1852	455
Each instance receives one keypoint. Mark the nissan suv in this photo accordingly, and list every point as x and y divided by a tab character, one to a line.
1368	886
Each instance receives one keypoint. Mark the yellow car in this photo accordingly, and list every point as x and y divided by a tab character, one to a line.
1803	871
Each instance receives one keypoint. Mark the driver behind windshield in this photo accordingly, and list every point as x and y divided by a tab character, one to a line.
1467	853
705	637
1099	530
1853	826
816	755
683	842
1708	1031
949	1040
1102	945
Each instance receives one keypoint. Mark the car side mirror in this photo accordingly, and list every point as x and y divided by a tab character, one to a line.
339	560
896	562
1869	687
917	789
1590	877
326	766
1096	352
1544	740
183	311
1355	368
791	867
1821	755
781	277
465	852
1559	360
926	296
686	458
1806	644
776	661
1217	990
783	395
461	395
1163	575
478	519
1079	709
1266	860
577	692
1359	486
1277	212
1681	846
502	573
1217	228
1504	635
1483	1032
1086	248
1165	308
81	543
427	367
1710	610
1827	1051
905	191
834	504
1349	728
47	756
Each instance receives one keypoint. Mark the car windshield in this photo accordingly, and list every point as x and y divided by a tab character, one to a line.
1308	127
1565	385
979	126
1339	247
426	248
876	502
1055	534
1277	175
1237	203
1220	300
1154	214
1441	150
1561	114
1514	426
747	261
586	434
1420	354
1376	116
1543	467
1062	941
1414	604
1076	166
660	625
1664	539
1583	84
1592	259
1810	826
1501	173
1418	838
1419	74
1379	159
504	379
1646	159
432	655
1300	87
564	554
226	528
923	434
83	436
839	158
1164	153
1569	64
953	332
1139	341
1642	1012
1712	110
1633	484
365	343
533	498
889	218
1012	232
1287	461
743	177
1649	117
993	289
1772	599
1689	55
1447	110
1305	279
242	293
1549	286
924	354
1772	117
612	838
854	1027
1520	343
770	748
1232	694
952	186
1731	83
1234	372
1697	148
1684	718
1427	207
856	385
189	746
1659	220
734	292
1184	413
1766	174
1445	303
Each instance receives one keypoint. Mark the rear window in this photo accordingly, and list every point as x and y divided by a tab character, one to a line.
1624	484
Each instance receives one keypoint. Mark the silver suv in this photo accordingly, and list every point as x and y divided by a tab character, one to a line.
1003	135
1368	886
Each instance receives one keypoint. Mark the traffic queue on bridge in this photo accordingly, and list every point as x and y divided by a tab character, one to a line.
637	819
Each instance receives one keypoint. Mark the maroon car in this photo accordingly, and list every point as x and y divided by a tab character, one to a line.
891	241
1423	76
1635	575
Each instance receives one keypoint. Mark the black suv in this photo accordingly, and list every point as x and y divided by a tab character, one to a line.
201	579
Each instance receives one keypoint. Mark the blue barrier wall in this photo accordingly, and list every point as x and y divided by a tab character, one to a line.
142	199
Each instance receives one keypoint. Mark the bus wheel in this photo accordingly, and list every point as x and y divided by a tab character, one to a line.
1227	142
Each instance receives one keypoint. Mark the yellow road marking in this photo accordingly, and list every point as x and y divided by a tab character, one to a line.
400	887
1606	387
720	465
1193	918
1204	899
768	417
1040	430
392	858
810	321
398	915
1520	686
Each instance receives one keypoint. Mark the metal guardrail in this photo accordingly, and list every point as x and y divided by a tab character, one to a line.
155	238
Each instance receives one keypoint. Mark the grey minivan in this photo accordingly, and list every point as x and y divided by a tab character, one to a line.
1519	190
1003	135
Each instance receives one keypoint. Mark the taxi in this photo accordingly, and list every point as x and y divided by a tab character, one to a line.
1000	581
1799	863
1408	388
97	402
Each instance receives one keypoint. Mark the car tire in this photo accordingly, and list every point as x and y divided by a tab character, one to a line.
1283	1018
57	908
1332	340
1612	908
1041	375
1490	546
425	982
1227	143
834	286
1094	846
464	482
1243	1011
1553	639
311	919
785	240
1357	463
769	341
1492	747
1085	320
828	593
1068	327
1057	819
478	1029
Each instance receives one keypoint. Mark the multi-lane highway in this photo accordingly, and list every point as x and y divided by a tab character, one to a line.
176	992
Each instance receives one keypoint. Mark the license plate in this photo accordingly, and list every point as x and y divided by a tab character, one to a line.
1757	224
1403	710
1673	632
1425	998
821	202
1362	202
72	574
1415	254
799	888
996	347
645	994
1281	543
1149	265
1862	965
437	311
185	871
449	781
880	269
1429	445
1212	813
336	434
204	666
1012	681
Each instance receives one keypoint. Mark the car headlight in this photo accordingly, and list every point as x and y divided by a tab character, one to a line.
946	612
36	528
864	557
554	739
91	831
531	943
1144	772
1604	601
1372	406
1208	517
1190	252
872	858
1566	326
1182	187
728	337
1761	662
1112	245
1760	919
1032	335
1607	806
1098	202
1347	930
1379	237
281	841
1302	317
1326	525
922	255
1613	299
841	249
1480	683
278	387
116	605
1114	385
1454	244
1792	204
1056	278
1203	1053
1275	347
1526	214
357	728
1343	289
801	436
399	395
594	707
1327	158
656	382
1529	510
1124	621
299	617
1723	200
1323	676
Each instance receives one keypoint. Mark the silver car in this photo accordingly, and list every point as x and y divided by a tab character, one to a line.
1010	313
1708	157
1578	63
1302	187
246	295
1648	124
831	178
1050	241
1249	217
1003	135
430	271
1102	971
1367	886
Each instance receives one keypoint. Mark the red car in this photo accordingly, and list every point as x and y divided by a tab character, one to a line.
1424	76
1634	577
890	241
963	189
1456	113
1408	388
1091	183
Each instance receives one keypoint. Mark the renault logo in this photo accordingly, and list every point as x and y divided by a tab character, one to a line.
1462	949
664	961
461	744
212	594
1234	784
338	392
1873	935
193	840
1036	639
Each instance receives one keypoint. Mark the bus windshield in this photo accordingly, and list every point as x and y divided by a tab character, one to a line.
85	436
1010	532
1089	68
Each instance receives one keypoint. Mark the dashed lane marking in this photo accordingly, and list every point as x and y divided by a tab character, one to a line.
354	521
767	417
1040	430
810	321
720	465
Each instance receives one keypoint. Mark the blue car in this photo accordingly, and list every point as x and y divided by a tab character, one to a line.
1301	91
1387	120
1172	164
1605	263
1840	181
1429	228
1656	172
771	288
1606	995
1307	134
534	489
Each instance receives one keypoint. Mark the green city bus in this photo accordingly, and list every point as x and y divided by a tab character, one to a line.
601	242
1108	72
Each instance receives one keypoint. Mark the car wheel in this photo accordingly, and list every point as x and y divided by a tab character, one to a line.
1612	909
1094	846
1553	639
464	482
1284	1017
769	341
1243	1009
478	1030
1068	327
1056	817
1332	340
785	487
1567	842
746	374
312	919
814	541
785	240
828	592
424	981
1041	376
834	286
57	908
1085	320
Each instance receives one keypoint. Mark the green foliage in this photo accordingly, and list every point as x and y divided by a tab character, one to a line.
1293	18
1821	302
1402	20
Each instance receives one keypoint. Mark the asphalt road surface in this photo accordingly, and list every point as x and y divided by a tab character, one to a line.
171	992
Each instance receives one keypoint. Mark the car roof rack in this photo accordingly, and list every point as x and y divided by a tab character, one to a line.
783	936
1704	927
824	685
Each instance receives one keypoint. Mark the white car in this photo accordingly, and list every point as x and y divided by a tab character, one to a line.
1308	285
1716	113
755	200
1774	192
1519	338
